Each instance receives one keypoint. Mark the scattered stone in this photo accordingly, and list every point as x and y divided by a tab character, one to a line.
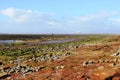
91	62
85	63
118	53
112	64
60	67
4	75
6	69
1	63
101	67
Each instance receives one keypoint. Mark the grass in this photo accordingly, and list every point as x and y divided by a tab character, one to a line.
11	51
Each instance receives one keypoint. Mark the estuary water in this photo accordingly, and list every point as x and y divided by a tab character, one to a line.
9	41
44	42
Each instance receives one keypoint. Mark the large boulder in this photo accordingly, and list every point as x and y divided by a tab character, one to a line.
102	73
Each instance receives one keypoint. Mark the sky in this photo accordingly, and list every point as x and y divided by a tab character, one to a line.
60	16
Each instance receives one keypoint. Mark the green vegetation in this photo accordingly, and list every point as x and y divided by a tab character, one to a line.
12	51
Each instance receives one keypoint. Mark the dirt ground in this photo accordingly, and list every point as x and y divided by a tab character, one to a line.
89	62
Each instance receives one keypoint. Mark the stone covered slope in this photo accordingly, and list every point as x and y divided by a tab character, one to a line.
87	62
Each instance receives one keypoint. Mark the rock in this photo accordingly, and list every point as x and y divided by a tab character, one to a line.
2	75
102	73
100	61
1	69
41	67
85	63
11	62
60	67
91	62
106	61
11	71
100	67
1	63
109	78
67	54
112	64
77	46
117	54
116	78
6	69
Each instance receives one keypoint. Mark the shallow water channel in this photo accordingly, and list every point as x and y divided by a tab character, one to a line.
43	42
9	41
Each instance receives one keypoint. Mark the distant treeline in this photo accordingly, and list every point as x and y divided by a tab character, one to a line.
28	36
18	36
40	36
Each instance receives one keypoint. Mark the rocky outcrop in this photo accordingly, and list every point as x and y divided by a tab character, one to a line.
103	73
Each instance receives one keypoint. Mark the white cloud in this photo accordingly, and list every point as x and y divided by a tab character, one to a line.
10	12
21	18
53	23
115	21
101	16
94	23
18	16
41	22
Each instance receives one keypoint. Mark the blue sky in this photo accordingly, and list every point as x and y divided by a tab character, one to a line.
59	16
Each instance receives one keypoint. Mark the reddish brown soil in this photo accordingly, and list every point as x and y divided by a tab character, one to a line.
103	66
